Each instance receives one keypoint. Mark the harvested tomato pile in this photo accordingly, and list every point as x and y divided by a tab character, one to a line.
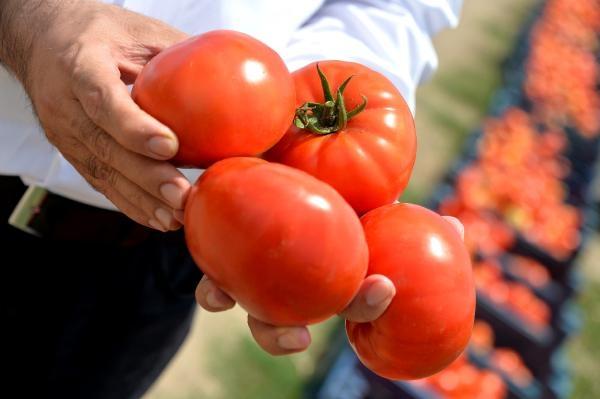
462	379
518	178
562	70
523	193
515	296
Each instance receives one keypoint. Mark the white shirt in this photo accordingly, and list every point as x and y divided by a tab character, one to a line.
390	36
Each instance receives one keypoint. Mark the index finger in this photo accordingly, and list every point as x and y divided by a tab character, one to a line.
107	102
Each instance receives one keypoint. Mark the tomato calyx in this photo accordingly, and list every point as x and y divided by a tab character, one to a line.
330	116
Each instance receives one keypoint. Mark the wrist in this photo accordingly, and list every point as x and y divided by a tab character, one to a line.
22	22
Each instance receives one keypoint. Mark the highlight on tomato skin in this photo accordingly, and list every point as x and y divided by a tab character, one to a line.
223	93
353	130
284	245
429	322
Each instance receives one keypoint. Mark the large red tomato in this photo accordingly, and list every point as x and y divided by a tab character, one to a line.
429	321
366	154
284	245
223	93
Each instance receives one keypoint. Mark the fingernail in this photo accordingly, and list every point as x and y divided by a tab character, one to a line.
179	216
173	194
157	225
164	217
377	294
216	299
162	146
293	339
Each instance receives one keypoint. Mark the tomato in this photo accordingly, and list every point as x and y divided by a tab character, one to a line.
367	157
482	337
284	245
223	93
429	321
510	363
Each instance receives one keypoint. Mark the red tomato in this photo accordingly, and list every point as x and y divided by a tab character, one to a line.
367	159
284	245
223	93
429	322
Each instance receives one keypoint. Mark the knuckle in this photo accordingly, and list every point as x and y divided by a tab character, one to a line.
97	185
101	171
94	99
70	59
112	176
101	188
92	167
85	129
92	94
101	143
137	198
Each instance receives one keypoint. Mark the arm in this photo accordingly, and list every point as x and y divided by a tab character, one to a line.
15	40
393	37
74	59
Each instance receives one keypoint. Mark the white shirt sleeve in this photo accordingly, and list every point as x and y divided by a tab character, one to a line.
393	37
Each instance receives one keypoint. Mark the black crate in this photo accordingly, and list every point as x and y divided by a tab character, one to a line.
535	390
347	378
535	345
553	293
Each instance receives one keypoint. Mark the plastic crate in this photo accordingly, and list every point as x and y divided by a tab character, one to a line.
535	346
535	390
347	378
553	293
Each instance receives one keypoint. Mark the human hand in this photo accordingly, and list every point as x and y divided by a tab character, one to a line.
371	301
75	59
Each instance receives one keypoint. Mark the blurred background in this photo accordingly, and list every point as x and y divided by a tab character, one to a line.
508	137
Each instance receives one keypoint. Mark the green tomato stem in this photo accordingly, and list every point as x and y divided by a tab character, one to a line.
331	116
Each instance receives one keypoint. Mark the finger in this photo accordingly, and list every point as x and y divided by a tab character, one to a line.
159	178
179	215
101	176
279	340
155	209
457	225
132	211
373	298
147	209
211	297
107	102
152	39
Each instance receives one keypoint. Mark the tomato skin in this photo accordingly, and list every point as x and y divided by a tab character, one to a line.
285	245
429	321
370	161
223	93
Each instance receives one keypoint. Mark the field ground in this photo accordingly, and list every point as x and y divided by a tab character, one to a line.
220	361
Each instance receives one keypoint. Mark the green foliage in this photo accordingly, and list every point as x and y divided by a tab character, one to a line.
584	350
